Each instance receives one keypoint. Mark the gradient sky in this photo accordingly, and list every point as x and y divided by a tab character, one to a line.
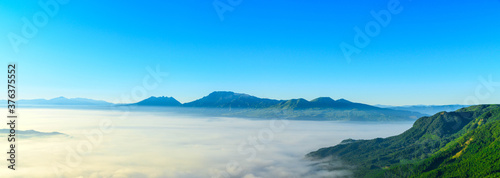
433	52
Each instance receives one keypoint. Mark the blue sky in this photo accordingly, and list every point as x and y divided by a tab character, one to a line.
432	52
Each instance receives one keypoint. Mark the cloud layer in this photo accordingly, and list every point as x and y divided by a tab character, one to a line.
164	144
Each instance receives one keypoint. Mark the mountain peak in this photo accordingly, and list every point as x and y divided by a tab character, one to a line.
342	100
225	94
323	100
301	100
64	101
59	98
160	101
228	99
160	97
222	92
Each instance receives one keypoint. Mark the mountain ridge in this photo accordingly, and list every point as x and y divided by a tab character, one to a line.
431	144
159	101
231	104
61	101
321	108
221	99
427	109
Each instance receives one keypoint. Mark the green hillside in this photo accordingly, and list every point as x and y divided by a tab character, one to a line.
454	144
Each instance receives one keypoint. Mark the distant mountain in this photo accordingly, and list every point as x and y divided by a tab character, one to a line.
226	103
323	108
30	133
227	99
294	104
428	109
464	143
62	101
324	103
159	101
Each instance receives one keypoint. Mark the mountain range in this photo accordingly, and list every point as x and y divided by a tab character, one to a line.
427	109
30	133
464	143
61	101
159	101
227	99
226	103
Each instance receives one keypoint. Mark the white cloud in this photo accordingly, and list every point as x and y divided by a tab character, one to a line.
168	145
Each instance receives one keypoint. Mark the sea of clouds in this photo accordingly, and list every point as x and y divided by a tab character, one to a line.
165	144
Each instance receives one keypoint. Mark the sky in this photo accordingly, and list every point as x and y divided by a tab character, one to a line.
429	52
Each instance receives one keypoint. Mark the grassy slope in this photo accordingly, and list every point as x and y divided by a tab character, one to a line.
476	153
412	152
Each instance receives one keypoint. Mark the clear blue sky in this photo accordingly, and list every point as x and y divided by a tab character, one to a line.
432	52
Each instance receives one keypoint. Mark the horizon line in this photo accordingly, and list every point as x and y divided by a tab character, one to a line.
132	102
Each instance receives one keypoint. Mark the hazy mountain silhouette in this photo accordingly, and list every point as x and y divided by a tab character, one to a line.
60	101
428	109
159	101
227	103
